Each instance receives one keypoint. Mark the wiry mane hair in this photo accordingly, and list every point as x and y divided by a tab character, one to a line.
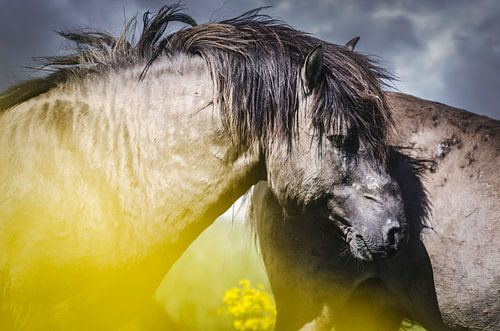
255	64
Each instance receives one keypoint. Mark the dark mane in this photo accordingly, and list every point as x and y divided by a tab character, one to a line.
255	63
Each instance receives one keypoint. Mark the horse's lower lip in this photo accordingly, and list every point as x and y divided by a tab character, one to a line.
366	255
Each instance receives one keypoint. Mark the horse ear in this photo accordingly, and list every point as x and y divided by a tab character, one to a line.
351	44
312	69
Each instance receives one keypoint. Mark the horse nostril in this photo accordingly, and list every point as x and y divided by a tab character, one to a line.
392	235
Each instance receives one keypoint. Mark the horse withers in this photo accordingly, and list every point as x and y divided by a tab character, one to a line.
117	160
446	162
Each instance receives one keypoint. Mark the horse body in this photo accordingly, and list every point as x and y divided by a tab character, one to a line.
112	164
447	276
463	188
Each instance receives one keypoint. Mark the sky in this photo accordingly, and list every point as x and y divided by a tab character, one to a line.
446	50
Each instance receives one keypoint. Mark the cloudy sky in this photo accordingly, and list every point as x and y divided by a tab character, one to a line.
447	50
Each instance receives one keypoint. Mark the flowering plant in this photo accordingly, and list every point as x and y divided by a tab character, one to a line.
252	309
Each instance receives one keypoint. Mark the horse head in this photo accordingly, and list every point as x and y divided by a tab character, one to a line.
344	176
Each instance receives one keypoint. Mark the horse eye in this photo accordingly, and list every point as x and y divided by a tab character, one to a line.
347	143
337	140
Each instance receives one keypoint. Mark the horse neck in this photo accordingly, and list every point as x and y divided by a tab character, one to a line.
157	145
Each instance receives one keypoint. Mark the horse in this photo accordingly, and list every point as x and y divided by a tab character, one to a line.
118	158
446	163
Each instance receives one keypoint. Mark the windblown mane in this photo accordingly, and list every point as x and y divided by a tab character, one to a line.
255	64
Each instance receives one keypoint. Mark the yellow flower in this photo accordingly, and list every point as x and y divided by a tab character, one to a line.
252	309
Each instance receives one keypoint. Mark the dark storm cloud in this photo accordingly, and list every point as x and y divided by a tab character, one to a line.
442	50
474	75
24	30
27	29
447	51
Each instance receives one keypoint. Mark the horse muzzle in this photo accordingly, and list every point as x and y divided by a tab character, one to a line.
373	244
